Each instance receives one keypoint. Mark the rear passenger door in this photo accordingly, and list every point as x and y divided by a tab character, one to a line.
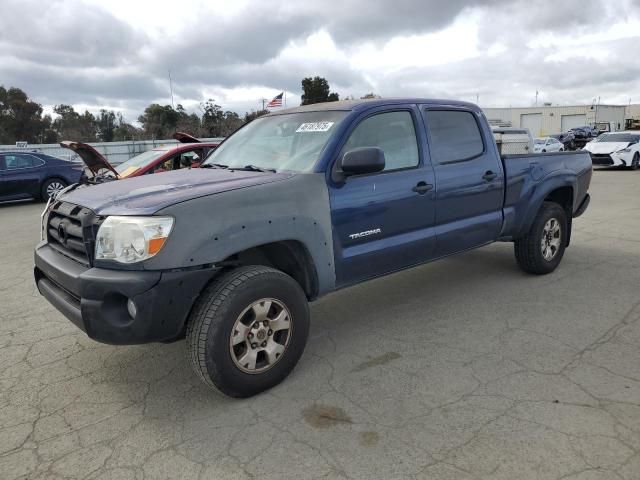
469	179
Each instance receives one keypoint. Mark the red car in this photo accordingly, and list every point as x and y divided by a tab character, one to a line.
190	152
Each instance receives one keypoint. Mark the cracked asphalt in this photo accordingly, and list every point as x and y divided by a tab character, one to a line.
463	369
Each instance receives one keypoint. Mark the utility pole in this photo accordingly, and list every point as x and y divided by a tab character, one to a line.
171	88
536	98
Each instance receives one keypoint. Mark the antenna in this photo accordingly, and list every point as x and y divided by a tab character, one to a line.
171	88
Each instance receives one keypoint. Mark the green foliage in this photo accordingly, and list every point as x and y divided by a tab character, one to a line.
106	123
20	118
249	116
317	90
70	125
159	121
215	122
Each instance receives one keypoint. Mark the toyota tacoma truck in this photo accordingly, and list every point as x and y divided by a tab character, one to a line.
291	207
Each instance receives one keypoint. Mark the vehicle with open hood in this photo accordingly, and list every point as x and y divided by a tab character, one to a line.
190	152
295	205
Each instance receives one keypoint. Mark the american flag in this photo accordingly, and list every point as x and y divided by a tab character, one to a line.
276	102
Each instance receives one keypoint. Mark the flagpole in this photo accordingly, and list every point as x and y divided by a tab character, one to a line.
285	99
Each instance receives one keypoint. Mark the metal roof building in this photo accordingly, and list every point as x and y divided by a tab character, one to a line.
548	119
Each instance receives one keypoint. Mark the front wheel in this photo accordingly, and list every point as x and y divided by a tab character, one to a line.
635	163
248	330
542	248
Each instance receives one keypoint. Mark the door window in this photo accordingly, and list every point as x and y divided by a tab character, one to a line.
393	133
14	162
454	135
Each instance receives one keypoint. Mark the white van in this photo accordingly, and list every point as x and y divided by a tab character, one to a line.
513	140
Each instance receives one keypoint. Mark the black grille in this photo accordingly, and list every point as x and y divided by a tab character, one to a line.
601	159
71	230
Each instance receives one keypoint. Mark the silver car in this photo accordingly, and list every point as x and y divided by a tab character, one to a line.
547	144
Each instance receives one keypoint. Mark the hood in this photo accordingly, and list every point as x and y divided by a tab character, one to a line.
147	194
185	138
605	147
93	159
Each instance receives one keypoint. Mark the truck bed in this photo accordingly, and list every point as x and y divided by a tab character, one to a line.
531	177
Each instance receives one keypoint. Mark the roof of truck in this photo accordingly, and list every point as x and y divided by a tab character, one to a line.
347	105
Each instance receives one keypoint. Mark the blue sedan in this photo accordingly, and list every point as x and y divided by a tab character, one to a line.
25	175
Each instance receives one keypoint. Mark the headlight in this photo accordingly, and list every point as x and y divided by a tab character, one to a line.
624	150
132	239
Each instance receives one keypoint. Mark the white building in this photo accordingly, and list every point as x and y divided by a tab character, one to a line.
549	120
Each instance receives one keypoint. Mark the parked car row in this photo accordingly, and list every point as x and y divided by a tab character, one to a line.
32	175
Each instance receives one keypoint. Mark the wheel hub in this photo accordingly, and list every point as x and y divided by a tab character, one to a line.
551	237
260	335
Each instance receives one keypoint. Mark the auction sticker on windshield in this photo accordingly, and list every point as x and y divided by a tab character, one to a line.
315	127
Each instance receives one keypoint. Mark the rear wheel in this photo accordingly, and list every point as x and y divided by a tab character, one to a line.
248	330
541	249
52	187
635	163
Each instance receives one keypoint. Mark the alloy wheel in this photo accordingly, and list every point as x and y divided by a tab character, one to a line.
551	238
260	335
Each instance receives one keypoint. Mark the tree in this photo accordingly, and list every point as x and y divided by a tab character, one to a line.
215	122
249	116
212	118
316	90
106	125
159	121
70	125
231	123
124	130
21	118
187	123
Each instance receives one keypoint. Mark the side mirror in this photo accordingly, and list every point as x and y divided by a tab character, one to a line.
362	160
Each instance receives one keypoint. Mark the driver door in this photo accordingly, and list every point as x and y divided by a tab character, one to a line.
384	221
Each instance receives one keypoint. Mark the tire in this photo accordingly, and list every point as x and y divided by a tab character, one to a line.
562	149
530	250
51	186
544	151
635	163
225	313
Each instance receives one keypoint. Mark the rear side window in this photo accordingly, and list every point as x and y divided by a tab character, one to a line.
454	135
393	133
13	162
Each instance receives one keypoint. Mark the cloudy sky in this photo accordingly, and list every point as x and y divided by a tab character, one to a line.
116	54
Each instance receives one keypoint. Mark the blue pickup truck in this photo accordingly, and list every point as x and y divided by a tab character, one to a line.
295	205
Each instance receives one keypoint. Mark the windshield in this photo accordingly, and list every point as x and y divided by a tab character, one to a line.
618	138
539	141
291	141
139	161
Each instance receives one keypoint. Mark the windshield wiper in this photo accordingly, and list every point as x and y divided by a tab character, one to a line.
254	168
213	165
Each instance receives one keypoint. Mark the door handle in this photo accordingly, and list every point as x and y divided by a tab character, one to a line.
489	175
422	188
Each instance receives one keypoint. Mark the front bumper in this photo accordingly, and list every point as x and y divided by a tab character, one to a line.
610	160
95	299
